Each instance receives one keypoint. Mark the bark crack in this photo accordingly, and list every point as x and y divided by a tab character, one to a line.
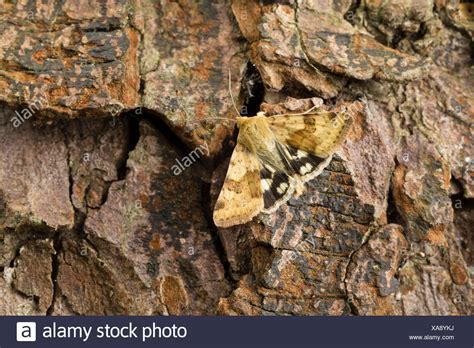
365	240
57	241
57	245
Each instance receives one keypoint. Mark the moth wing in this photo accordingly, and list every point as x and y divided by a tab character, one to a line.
306	142
278	187
241	197
319	133
303	165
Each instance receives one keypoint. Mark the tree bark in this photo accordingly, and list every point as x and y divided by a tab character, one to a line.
112	154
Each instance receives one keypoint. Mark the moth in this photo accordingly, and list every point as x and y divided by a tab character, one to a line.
272	159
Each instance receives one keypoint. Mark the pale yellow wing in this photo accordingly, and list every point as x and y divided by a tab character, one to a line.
317	133
241	196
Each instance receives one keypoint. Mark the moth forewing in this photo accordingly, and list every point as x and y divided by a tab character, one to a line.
241	196
318	133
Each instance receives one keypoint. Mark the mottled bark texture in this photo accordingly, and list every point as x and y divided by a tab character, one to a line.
100	100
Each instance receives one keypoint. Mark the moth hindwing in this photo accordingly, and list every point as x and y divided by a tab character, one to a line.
274	155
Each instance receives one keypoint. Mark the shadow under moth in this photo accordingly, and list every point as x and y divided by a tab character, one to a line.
273	157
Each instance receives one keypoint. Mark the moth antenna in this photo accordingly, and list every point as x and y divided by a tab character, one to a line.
299	113
222	118
231	96
310	110
211	119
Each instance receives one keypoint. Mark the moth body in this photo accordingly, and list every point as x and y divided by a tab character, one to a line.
257	137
